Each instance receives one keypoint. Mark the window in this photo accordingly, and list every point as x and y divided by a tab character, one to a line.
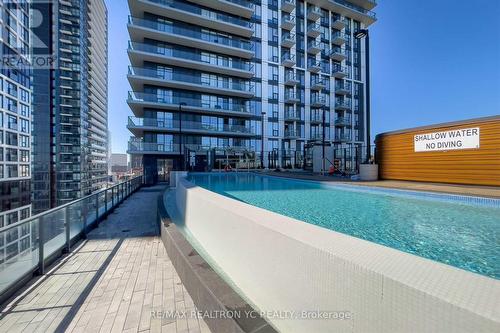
12	171
12	122
11	155
272	73
11	138
25	126
24	170
24	155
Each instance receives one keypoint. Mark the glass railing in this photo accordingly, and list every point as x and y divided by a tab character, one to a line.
210	14
356	8
313	10
152	122
222	83
340	69
292	115
290	77
338	51
290	96
292	133
315	99
340	35
339	19
343	104
189	125
243	3
211	59
313	63
313	45
342	121
288	37
287	18
287	56
192	33
140	146
192	102
313	27
317	81
342	137
288	2
30	243
346	86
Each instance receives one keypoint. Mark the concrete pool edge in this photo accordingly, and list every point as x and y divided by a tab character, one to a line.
454	299
210	293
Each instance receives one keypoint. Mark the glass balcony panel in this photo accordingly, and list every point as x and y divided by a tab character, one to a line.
54	232
75	218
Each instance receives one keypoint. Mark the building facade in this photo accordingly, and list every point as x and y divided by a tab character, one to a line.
15	127
70	105
265	79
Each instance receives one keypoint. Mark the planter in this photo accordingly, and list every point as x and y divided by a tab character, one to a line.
368	172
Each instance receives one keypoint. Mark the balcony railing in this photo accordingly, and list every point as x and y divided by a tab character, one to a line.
191	33
340	71
135	146
212	59
209	14
342	121
356	8
313	65
342	138
191	78
342	105
292	115
292	133
288	59
187	125
287	21
190	102
50	233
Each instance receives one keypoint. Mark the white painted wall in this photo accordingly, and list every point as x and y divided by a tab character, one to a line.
282	264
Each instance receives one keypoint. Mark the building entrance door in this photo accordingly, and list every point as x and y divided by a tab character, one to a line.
164	166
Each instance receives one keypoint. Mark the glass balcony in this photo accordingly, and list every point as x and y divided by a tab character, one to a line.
342	105
220	105
292	115
318	83
340	71
338	22
206	13
316	136
37	240
313	47
313	66
169	79
288	39
291	98
339	38
292	134
287	21
140	147
368	13
288	59
338	54
318	100
317	118
342	121
211	60
177	34
313	13
287	5
291	79
343	88
313	30
342	138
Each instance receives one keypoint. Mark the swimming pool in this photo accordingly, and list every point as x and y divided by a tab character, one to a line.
461	232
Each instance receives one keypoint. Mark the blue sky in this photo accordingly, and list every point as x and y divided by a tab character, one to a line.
431	61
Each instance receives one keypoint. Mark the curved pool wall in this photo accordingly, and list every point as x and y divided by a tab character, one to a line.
283	264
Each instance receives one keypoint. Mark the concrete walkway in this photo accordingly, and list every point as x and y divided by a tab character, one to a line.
118	280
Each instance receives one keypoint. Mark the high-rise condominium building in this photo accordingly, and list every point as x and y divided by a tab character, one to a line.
209	76
15	121
15	127
70	105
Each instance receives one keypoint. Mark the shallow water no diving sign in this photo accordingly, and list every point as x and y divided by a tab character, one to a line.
465	138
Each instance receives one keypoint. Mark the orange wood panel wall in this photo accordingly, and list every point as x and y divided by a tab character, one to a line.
397	159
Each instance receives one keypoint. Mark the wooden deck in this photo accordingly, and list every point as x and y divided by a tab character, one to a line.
118	280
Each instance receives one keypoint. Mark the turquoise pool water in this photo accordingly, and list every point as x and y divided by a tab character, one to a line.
459	234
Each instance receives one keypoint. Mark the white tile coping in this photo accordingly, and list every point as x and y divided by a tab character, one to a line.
283	264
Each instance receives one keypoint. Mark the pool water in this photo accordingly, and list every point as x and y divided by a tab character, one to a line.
460	234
